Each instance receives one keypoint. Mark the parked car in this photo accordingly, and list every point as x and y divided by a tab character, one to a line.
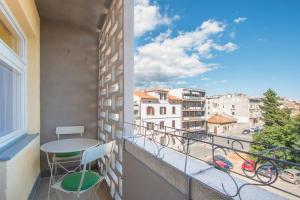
246	131
248	165
257	129
267	170
222	162
290	175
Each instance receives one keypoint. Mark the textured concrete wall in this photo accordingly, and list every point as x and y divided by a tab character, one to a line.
68	80
141	182
115	104
147	177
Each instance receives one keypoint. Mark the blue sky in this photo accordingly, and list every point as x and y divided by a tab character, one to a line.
220	46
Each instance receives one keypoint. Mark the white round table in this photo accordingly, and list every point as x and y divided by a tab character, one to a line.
65	146
69	145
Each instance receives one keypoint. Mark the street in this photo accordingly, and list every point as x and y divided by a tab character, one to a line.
203	151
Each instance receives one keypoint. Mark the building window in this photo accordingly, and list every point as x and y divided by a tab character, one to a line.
12	79
9	36
136	112
173	123
163	110
161	125
233	113
150	125
173	110
162	96
150	110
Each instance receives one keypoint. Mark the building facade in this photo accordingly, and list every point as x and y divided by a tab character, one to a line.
220	124
193	108
292	106
157	108
255	117
234	105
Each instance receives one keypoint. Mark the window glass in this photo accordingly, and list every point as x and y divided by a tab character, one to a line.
8	36
174	110
9	120
162	125
173	124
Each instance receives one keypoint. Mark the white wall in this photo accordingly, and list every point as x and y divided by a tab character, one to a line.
157	118
223	105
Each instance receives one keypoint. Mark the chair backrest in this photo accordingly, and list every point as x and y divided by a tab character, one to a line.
92	154
97	152
69	130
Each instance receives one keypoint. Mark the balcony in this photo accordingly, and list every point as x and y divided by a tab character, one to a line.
193	98
199	108
80	72
193	118
192	170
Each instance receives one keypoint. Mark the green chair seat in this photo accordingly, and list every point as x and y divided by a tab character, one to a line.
68	154
71	181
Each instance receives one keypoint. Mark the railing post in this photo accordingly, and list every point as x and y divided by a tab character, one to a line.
186	154
212	147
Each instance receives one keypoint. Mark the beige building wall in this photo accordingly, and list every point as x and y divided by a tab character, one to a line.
26	15
19	174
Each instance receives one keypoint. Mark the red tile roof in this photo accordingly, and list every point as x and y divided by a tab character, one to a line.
143	95
173	98
220	119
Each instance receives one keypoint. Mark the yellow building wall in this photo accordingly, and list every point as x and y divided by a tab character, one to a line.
27	17
18	175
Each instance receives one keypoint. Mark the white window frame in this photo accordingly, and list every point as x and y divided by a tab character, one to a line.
18	64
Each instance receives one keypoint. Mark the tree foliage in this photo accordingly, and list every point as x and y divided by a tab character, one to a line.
271	113
280	130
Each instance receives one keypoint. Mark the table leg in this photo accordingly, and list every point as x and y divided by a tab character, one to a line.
51	181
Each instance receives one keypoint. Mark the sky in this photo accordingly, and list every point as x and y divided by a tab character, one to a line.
220	46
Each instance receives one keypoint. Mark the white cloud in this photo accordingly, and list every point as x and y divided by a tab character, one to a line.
147	17
167	58
239	20
204	79
229	47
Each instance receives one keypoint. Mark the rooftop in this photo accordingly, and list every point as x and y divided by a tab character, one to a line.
144	95
221	119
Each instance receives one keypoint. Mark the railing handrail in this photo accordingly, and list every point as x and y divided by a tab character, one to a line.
185	139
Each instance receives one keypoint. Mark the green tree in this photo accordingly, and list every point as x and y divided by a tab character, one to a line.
271	113
280	130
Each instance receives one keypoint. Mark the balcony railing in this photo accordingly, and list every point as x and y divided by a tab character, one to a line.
193	98
198	108
228	154
193	118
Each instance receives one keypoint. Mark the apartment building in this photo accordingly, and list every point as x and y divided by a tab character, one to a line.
255	116
234	105
157	107
193	108
292	106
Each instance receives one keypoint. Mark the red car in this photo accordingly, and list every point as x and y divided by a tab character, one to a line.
249	165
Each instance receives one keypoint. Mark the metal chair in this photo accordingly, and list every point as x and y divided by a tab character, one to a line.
77	183
60	159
